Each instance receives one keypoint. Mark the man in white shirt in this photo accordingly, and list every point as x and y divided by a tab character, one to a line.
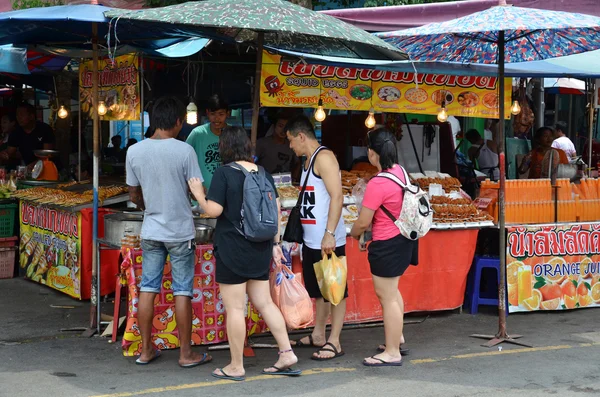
561	141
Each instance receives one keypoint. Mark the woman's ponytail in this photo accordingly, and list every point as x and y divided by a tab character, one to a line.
383	142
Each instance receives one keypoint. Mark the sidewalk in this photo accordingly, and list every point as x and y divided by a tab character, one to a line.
37	359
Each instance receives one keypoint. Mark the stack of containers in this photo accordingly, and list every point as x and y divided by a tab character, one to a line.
8	242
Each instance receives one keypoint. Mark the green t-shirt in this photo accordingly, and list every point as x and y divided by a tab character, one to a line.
206	146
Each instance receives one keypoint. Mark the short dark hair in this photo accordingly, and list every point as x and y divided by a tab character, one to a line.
539	133
234	145
166	112
286	114
116	138
561	125
300	124
27	106
473	135
383	142
215	103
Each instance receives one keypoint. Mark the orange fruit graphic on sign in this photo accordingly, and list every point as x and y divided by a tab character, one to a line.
551	292
596	292
513	298
582	289
533	303
585	301
568	288
556	277
570	302
551	304
583	267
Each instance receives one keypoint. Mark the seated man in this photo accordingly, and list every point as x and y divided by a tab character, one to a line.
484	152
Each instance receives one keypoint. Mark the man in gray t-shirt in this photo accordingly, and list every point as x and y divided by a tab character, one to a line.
158	170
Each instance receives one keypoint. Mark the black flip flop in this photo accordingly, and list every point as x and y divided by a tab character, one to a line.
299	343
205	359
403	352
228	377
382	363
325	348
282	371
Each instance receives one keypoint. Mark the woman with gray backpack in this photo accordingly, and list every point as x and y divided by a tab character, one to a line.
400	214
243	198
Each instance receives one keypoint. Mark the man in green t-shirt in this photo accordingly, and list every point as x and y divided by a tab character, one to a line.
205	138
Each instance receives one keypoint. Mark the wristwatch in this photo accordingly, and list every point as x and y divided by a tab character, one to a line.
330	232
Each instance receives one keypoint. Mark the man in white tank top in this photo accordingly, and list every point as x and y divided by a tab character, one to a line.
323	228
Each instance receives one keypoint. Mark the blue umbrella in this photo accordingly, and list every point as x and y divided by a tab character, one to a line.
499	35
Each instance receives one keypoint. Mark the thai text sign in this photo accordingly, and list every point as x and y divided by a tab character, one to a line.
288	84
553	267
50	247
118	87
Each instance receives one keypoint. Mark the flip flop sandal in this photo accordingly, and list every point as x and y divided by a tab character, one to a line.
205	359
382	363
228	377
326	348
156	355
403	352
282	371
311	343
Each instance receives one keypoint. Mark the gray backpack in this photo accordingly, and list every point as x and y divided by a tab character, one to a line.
259	206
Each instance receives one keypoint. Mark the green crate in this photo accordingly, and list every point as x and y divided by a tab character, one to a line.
7	219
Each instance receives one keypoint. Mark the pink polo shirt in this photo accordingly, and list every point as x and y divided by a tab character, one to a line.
382	191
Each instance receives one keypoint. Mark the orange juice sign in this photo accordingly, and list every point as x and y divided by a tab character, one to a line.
289	84
50	247
553	267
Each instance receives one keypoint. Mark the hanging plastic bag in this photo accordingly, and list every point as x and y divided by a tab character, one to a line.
291	297
331	276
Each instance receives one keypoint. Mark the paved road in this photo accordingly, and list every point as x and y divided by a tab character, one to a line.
37	360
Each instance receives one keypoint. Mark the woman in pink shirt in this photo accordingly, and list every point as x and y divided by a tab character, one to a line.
390	253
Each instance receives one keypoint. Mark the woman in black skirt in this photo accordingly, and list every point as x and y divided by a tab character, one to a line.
390	253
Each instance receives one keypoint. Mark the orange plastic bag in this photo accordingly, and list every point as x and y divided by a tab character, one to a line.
291	297
331	275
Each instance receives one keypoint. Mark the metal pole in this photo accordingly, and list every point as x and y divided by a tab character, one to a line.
413	143
79	130
501	198
95	296
142	93
591	126
256	103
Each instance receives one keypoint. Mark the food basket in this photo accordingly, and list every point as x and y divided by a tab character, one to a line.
7	219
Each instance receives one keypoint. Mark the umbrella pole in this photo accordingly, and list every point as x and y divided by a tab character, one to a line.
591	110
501	336
256	102
79	132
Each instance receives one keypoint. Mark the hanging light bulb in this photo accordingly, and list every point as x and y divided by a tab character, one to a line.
370	121
191	116
320	113
102	108
62	112
515	108
442	115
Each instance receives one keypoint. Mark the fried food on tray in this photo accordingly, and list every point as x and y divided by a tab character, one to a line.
42	195
448	184
448	200
288	192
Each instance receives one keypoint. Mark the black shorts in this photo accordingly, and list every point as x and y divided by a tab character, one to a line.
224	275
391	258
309	258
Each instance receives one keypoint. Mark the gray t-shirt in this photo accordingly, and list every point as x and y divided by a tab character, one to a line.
275	158
162	168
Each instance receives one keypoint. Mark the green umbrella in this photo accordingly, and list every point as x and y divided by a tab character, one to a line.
275	24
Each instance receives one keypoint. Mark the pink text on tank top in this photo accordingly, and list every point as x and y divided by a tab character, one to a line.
314	211
382	191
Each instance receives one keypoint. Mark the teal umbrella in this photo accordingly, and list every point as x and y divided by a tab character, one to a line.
276	24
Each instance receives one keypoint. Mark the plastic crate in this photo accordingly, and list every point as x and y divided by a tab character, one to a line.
7	219
7	262
8	241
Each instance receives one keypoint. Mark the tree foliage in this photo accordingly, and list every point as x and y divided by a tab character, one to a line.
23	4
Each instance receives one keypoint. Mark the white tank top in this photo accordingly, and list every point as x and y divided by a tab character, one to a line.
315	210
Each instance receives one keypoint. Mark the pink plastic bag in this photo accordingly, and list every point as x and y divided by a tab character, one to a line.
291	297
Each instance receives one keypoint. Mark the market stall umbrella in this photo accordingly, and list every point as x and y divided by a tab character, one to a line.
501	35
275	24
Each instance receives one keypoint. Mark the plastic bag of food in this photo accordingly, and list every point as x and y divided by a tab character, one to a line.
331	276
358	192
291	297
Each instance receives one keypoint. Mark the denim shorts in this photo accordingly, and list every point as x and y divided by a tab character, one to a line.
154	256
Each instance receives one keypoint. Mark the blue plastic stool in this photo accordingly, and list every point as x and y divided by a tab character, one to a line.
474	287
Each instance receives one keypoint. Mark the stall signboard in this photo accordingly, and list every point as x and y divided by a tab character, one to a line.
286	83
50	248
118	87
553	267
